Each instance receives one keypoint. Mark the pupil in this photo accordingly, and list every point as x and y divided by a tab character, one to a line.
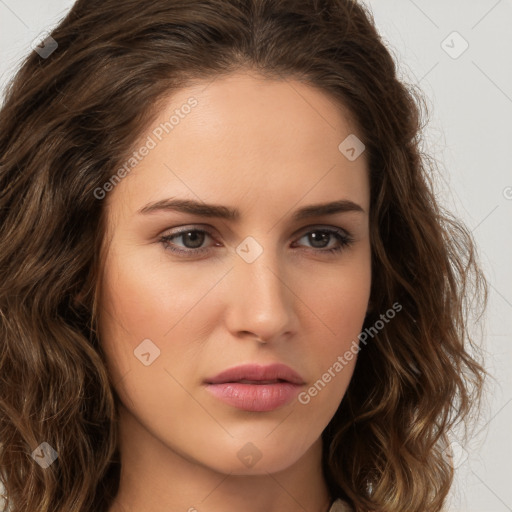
314	238
194	235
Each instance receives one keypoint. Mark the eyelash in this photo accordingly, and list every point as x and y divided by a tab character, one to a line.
345	240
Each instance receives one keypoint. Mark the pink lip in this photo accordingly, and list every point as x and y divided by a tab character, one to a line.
275	371
256	397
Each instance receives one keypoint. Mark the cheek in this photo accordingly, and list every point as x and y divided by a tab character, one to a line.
339	298
150	295
156	300
345	308
339	305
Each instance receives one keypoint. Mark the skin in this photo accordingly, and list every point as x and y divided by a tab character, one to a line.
267	148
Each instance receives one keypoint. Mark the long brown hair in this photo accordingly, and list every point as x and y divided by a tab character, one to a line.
71	118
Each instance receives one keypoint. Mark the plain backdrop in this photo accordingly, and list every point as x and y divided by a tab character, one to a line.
460	54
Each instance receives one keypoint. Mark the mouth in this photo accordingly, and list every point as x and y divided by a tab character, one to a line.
256	388
257	374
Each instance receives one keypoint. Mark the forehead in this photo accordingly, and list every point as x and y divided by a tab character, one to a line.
246	141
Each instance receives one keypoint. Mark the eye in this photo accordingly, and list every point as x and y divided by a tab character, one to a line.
320	237
194	238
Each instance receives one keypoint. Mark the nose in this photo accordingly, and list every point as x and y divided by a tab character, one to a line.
261	302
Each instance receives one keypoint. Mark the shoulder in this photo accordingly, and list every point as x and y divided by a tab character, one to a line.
340	506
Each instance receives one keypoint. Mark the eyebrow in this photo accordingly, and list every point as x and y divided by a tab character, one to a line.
223	212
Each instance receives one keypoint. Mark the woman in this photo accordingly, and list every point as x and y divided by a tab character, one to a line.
226	281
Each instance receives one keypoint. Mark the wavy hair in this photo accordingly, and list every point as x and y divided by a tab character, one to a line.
70	119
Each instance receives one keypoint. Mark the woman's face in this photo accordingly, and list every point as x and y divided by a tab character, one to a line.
256	289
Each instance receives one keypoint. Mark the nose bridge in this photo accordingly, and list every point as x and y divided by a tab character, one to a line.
261	300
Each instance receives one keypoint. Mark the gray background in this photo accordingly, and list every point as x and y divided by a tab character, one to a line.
469	134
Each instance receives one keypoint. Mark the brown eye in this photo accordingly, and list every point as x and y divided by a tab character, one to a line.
192	240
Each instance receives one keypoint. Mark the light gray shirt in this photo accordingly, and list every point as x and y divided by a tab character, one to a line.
340	506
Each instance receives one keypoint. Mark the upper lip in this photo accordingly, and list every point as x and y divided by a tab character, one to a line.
256	372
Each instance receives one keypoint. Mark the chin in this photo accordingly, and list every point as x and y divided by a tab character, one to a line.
257	457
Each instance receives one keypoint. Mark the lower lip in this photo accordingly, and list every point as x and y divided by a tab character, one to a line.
255	397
